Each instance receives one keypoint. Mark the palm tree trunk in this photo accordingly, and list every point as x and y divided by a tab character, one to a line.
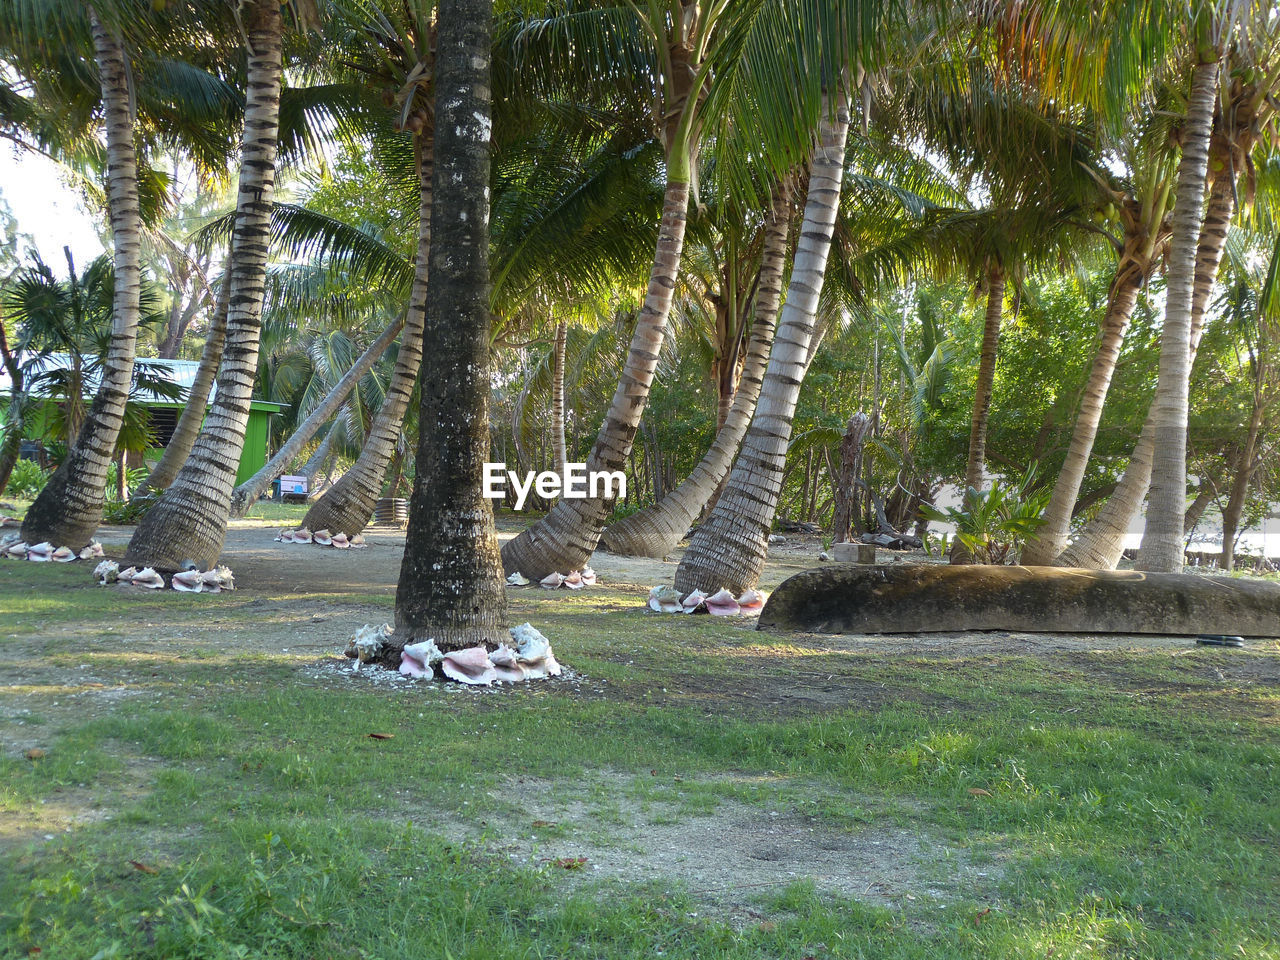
976	466
188	426
190	521
451	587
1245	465
557	396
1101	544
654	531
246	494
1051	538
1162	547
348	504
728	550
11	449
567	535
69	508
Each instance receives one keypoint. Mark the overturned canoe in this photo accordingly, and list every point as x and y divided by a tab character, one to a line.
854	598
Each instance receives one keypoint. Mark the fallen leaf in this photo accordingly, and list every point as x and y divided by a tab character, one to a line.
979	792
977	921
544	823
35	753
571	863
767	926
383	736
143	867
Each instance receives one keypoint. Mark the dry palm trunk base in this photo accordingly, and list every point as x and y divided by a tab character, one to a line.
527	657
849	598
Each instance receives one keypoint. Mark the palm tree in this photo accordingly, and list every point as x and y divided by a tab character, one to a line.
451	588
729	548
189	522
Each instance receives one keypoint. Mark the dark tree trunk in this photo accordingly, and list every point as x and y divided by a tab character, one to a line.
12	446
846	494
451	587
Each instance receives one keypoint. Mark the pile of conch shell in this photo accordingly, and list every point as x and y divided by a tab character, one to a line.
573	580
108	571
527	657
214	580
322	538
15	549
722	603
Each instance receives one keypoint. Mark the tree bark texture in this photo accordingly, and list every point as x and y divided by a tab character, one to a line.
558	450
975	468
846	485
655	531
69	508
190	521
729	548
347	506
1162	546
451	588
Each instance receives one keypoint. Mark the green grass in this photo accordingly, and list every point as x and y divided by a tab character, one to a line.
1127	801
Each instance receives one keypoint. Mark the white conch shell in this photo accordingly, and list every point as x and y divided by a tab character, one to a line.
694	600
506	665
357	542
146	577
340	541
322	537
573	580
226	579
471	666
665	600
17	550
722	604
417	659
92	551
285	536
187	581
302	535
63	555
551	581
107	571
533	653
751	601
518	579
210	582
127	574
367	642
588	577
40	552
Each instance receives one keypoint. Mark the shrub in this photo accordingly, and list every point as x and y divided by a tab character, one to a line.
26	481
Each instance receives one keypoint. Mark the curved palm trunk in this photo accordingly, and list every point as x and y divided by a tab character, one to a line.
451	587
246	494
188	426
11	449
347	506
729	549
654	531
1101	544
976	465
557	396
566	536
1051	538
69	508
1167	502
190	521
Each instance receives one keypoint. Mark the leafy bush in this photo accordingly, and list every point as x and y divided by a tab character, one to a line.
993	524
26	481
128	511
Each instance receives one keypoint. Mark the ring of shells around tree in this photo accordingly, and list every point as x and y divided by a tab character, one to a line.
527	657
722	603
184	581
573	580
322	538
13	548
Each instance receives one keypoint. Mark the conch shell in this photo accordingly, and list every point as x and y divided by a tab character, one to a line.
17	550
506	665
665	600
416	659
722	603
751	601
340	541
107	571
357	542
40	552
127	574
518	579
226	579
322	537
471	666
146	577
588	577
533	653
187	581
551	581
301	535
694	600
92	551
573	580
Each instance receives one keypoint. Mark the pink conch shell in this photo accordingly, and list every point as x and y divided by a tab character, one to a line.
92	552
588	577
665	600
17	550
471	666
63	555
127	574
357	542
322	537
751	601
722	604
552	580
210	581
187	581
694	600
285	536
505	664
40	552
302	535
574	581
340	541
146	577
415	660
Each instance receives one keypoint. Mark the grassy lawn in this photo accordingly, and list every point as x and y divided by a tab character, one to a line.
208	788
